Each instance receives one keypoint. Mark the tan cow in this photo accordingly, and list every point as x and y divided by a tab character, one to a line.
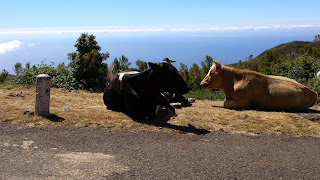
251	90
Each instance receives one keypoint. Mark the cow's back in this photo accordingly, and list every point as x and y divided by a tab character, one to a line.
282	93
118	94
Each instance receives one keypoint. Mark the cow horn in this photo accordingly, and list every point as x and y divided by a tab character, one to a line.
167	60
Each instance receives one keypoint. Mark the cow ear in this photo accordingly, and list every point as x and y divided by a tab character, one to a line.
218	67
154	66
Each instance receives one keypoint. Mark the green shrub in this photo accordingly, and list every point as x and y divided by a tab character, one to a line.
302	68
314	84
61	76
201	94
3	76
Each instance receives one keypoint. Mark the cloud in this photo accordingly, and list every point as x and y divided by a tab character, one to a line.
10	46
242	28
79	30
31	45
134	29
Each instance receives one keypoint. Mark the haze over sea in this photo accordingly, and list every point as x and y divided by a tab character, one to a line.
187	48
182	30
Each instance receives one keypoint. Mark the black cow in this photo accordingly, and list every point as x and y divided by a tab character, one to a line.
139	93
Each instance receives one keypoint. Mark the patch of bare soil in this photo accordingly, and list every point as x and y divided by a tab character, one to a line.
84	109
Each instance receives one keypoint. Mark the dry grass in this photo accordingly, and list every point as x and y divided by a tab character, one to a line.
83	109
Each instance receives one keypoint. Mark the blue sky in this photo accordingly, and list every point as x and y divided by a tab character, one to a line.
24	22
19	14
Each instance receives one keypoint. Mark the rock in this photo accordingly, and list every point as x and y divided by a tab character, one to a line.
16	95
66	109
309	116
244	116
28	113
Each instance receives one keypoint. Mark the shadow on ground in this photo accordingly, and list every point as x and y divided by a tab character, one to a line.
304	111
162	121
54	118
309	114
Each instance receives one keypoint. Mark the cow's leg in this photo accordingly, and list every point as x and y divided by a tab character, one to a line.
237	104
134	106
163	100
185	102
158	108
167	105
171	110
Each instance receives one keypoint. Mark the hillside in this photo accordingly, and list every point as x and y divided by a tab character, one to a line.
268	58
292	49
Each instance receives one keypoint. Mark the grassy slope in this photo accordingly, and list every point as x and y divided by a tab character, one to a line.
292	50
83	109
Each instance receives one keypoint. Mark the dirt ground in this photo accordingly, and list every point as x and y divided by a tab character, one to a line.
84	109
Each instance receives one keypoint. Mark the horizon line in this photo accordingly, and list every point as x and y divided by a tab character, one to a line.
134	29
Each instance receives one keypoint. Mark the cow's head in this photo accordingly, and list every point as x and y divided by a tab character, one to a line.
214	77
165	78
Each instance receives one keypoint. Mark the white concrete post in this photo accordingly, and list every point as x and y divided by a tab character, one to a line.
42	95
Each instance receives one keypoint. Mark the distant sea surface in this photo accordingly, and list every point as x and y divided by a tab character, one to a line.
183	49
189	50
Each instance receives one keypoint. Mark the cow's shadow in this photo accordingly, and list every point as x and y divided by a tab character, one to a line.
309	114
310	111
304	111
162	121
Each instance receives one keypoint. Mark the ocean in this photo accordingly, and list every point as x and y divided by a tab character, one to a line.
184	48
